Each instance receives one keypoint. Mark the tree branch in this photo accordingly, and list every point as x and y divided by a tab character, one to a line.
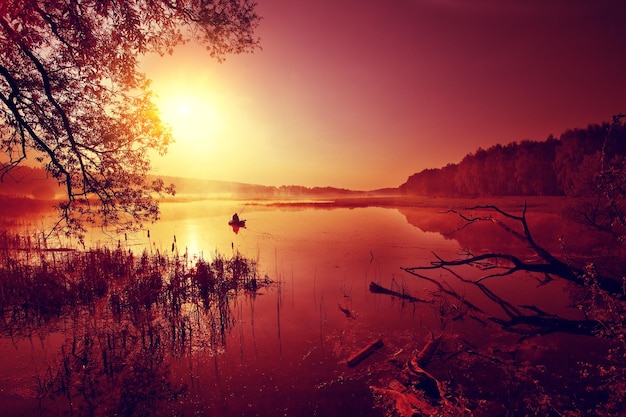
9	102
550	266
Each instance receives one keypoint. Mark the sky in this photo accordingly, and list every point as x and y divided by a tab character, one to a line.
361	94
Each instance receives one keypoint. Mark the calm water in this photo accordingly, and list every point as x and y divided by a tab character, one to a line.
285	350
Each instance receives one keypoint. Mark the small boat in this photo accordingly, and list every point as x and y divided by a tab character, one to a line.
237	223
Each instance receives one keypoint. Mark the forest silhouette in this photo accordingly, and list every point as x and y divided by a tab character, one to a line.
554	167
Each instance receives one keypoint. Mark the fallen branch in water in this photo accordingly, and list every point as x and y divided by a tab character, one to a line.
346	312
539	322
427	352
355	359
379	289
501	265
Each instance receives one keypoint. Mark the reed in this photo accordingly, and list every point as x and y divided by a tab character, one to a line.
123	314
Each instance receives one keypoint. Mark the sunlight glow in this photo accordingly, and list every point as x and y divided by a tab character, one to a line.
217	128
193	118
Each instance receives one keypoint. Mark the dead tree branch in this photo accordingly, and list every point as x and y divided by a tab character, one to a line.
523	319
508	264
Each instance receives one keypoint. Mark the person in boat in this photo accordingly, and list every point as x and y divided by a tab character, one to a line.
235	218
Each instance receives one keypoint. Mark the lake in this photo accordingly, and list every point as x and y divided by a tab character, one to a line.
283	349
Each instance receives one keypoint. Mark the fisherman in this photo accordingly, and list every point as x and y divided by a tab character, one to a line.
235	218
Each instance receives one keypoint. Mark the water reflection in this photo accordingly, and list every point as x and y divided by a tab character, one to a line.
210	349
232	355
564	238
121	320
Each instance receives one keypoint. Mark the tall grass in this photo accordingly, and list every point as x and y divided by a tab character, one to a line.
124	314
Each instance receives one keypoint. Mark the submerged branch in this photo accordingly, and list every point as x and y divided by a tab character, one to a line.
520	319
539	323
379	289
549	265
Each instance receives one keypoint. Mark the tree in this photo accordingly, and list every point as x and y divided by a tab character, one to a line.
574	146
598	186
71	94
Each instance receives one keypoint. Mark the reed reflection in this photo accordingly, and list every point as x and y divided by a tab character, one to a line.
121	318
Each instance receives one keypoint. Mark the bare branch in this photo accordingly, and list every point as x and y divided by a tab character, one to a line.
500	265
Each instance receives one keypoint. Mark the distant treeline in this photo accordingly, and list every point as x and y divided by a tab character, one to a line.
25	181
287	191
563	166
195	186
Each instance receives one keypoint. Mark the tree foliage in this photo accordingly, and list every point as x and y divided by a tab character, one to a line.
72	96
564	166
600	184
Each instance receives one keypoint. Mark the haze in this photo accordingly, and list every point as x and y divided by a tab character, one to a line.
361	94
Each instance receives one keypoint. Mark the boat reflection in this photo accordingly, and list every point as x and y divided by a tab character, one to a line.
236	223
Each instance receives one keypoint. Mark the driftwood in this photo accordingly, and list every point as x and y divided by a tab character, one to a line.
424	355
346	312
419	392
379	289
355	359
418	377
404	401
424	381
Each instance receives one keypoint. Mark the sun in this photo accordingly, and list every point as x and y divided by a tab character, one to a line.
183	110
193	118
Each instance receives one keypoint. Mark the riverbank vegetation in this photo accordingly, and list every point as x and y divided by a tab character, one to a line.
124	315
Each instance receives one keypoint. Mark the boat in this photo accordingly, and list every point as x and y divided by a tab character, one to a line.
237	223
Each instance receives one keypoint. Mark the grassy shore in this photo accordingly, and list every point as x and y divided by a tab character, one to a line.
122	316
